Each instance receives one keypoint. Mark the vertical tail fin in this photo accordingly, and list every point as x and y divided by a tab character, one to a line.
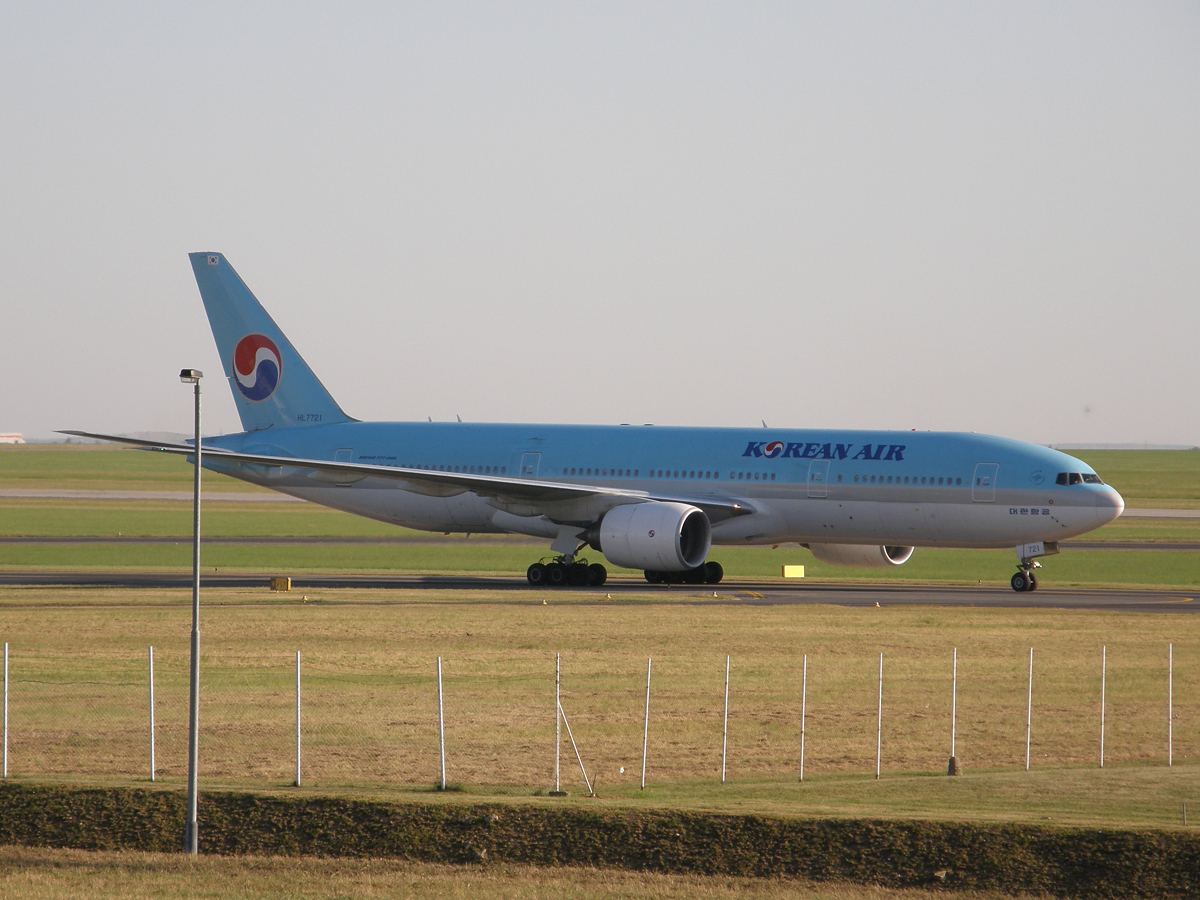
272	385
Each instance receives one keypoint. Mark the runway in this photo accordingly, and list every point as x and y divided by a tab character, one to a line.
634	590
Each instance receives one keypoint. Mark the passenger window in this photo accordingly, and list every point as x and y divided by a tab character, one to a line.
773	477
958	481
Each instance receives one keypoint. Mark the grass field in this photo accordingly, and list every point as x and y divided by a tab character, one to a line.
78	700
95	468
1153	479
27	873
1161	570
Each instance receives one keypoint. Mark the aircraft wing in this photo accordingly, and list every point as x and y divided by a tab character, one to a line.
519	490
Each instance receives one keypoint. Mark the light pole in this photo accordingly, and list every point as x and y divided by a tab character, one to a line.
191	837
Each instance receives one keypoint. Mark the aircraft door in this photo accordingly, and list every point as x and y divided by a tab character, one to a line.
818	476
529	464
983	488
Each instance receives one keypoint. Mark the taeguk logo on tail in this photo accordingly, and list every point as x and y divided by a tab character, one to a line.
256	367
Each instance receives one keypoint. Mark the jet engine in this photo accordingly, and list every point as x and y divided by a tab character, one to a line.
664	537
861	556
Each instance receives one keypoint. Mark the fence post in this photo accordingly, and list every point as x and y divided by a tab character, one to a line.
879	720
297	718
6	709
152	714
725	730
646	732
1170	704
441	726
803	710
1029	710
953	767
557	722
1103	686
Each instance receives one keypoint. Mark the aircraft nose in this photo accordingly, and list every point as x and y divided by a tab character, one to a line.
1109	505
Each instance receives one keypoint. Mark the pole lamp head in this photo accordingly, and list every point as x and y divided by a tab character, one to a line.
190	376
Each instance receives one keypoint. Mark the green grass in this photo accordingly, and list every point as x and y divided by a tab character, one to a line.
28	873
78	695
149	518
1149	472
1167	479
108	518
1132	569
101	468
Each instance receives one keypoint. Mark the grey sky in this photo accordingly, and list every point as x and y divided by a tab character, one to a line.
893	215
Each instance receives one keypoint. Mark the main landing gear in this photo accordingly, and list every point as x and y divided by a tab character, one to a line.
1025	580
708	573
561	572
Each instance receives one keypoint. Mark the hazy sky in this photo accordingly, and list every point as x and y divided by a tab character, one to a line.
955	216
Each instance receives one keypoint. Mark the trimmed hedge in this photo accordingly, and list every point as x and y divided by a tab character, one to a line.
1009	858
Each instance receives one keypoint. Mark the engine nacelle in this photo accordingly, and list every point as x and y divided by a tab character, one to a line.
861	556
665	537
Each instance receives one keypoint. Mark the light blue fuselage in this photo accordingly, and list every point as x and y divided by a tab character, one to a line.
838	487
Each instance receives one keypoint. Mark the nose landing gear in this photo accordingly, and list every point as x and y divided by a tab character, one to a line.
1025	580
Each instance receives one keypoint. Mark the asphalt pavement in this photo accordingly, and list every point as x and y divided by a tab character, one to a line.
629	589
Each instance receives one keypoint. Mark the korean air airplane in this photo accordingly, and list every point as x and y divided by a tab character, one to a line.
651	498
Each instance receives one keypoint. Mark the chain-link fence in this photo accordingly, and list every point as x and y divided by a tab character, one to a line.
87	714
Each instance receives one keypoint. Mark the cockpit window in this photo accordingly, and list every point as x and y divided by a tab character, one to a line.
1077	478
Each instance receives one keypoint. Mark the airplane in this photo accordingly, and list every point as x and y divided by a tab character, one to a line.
647	497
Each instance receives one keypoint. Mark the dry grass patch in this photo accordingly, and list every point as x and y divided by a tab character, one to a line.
78	698
53	874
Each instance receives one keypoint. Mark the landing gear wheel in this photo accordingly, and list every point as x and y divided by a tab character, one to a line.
653	576
556	574
577	574
1020	582
1033	582
695	576
536	575
713	573
597	574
